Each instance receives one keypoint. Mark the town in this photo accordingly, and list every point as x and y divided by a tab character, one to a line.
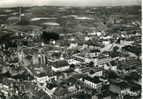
70	53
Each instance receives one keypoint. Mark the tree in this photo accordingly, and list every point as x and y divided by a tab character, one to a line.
91	64
111	74
132	76
72	66
134	49
91	72
47	36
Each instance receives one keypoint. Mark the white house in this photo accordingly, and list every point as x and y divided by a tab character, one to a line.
114	68
73	61
87	38
45	78
99	33
92	84
60	68
73	45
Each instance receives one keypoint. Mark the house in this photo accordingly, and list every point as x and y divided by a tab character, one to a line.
91	34
86	57
97	73
45	78
39	59
91	55
107	37
114	68
73	61
87	38
124	89
78	58
21	55
68	89
73	45
4	89
110	65
93	83
60	65
128	91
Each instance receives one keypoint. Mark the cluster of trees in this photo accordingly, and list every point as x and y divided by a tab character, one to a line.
134	49
23	76
47	36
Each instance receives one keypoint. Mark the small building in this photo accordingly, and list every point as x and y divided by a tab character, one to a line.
73	61
97	73
45	78
60	65
73	45
93	83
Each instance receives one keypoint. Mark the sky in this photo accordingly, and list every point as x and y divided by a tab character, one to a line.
13	3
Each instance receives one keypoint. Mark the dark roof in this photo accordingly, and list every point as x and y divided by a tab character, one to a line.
30	51
60	91
94	80
60	63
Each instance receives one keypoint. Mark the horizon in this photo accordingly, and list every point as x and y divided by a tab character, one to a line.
66	3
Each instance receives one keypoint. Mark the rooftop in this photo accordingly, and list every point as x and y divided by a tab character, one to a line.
60	63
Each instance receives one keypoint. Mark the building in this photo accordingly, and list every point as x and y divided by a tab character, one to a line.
60	65
97	73
73	61
33	56
93	83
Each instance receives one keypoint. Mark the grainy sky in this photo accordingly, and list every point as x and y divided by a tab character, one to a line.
11	3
